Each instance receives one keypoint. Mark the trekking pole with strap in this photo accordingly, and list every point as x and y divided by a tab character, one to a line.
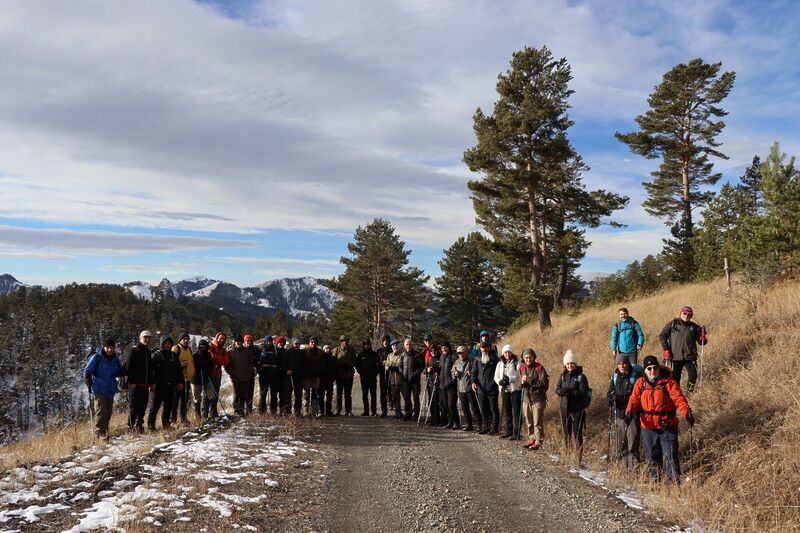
430	403
519	421
219	398
702	353
91	414
424	401
608	442
203	398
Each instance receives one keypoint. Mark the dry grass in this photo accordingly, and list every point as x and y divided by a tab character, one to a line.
745	473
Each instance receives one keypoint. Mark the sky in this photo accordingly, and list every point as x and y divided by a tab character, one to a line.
246	140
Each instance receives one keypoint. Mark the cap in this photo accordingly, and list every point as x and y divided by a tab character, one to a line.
343	338
461	349
268	338
110	342
686	309
569	357
248	337
202	343
649	361
313	339
393	342
528	351
145	333
239	338
507	348
427	337
622	358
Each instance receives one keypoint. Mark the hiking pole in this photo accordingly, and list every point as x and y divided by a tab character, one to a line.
433	391
608	442
424	401
702	353
216	393
519	421
480	408
91	414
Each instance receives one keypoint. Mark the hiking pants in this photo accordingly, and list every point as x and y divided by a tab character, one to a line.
691	371
325	396
572	423
470	408
182	398
633	357
310	398
397	389
628	440
368	390
450	405
533	420
511	406
491	411
292	385
216	383
383	379
434	414
138	396
661	450
242	397
268	384
414	390
163	396
103	407
344	391
205	393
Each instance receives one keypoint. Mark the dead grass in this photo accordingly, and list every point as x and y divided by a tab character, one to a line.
745	473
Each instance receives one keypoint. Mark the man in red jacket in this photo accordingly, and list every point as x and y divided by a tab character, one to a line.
219	355
657	397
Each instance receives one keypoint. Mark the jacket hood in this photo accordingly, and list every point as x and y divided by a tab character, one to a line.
219	335
164	339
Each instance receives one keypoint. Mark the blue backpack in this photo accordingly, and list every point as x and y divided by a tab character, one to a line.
636	372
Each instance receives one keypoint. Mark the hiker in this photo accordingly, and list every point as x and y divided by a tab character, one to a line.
506	375
383	353
293	364
312	376
396	379
345	371
679	339
433	367
241	368
220	357
183	396
328	378
412	364
628	435
484	337
533	380
167	373
627	337
448	388
202	387
100	374
573	387
367	363
656	398
484	385
270	379
469	402
137	378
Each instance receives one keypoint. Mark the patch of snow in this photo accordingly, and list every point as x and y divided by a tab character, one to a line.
205	291
31	513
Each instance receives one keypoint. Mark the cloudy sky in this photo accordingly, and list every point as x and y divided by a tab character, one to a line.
247	140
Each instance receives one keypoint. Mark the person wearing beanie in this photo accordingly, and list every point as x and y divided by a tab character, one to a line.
367	365
183	396
270	377
383	378
627	337
573	388
242	369
433	366
469	402
100	374
312	377
679	340
219	354
483	337
628	434
137	378
293	364
327	381
448	388
345	372
395	378
202	386
534	381
506	376
656	398
486	390
167	379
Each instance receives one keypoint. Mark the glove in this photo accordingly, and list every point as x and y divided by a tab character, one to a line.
690	418
667	355
702	337
628	418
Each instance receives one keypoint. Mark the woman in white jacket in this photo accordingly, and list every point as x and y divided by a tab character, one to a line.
505	375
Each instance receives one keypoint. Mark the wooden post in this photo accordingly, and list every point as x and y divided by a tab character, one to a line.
728	274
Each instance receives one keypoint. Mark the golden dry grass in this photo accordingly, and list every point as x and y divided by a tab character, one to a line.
745	473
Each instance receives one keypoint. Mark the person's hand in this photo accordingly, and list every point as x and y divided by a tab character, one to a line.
180	386
667	355
638	347
524	379
475	387
628	418
289	372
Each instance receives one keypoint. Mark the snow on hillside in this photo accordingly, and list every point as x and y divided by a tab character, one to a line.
140	289
204	292
9	284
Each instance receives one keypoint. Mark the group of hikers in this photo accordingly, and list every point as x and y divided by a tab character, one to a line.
500	393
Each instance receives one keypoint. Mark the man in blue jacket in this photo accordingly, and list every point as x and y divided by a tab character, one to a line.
627	337
101	373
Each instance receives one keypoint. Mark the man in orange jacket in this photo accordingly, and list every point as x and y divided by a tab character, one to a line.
219	355
657	397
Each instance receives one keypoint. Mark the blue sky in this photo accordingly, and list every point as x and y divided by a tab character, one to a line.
247	140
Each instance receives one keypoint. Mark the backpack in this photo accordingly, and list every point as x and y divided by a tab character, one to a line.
636	372
633	328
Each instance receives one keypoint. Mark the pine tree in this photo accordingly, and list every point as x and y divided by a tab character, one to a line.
530	174
681	128
380	291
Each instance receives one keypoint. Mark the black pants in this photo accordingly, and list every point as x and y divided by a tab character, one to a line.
368	387
137	406
216	383
243	397
414	390
469	406
449	405
292	385
268	384
691	371
661	450
325	395
182	399
344	391
490	409
511	406
164	395
384	394
433	415
572	423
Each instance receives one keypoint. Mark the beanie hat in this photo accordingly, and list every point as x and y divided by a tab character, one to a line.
687	309
239	339
313	339
268	338
110	342
203	342
569	357
527	351
326	347
248	337
343	338
649	361
145	333
622	358
427	337
183	336
295	341
507	348
394	341
386	338
279	339
484	333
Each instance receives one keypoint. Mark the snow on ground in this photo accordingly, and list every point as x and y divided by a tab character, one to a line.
152	482
599	479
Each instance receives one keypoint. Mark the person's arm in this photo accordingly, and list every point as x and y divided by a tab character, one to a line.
640	336
635	400
611	394
614	334
498	373
678	398
561	388
700	335
663	337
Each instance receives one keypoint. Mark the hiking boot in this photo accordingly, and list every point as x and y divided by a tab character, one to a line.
504	435
533	447
365	413
467	428
483	431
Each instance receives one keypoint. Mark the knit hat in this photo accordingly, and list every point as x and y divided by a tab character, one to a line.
622	358
484	333
268	338
527	351
427	337
386	338
687	309
569	357
394	341
279	339
461	349
239	339
145	333
649	361
507	348
326	347
295	341
248	337
110	342
202	343
183	336
313	339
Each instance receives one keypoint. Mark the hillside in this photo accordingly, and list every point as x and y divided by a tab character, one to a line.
745	472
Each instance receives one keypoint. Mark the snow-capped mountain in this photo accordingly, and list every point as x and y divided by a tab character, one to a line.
295	296
9	284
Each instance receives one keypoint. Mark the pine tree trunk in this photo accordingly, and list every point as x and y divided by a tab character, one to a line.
561	286
543	304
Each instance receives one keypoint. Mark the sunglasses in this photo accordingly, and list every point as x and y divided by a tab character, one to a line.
652	367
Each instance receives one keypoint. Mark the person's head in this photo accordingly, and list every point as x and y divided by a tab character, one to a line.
570	361
344	340
408	345
651	367
529	356
484	336
280	341
145	337
326	348
445	348
248	340
268	341
313	342
508	352
238	341
686	313
623	313
428	340
109	347
461	351
166	343
184	340
623	364
203	345
385	340
486	347
395	345
366	344
296	343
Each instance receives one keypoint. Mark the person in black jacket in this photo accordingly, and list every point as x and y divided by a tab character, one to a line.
573	389
325	392
383	375
270	378
201	382
367	366
679	339
137	378
628	434
411	364
167	378
433	367
448	388
484	386
293	365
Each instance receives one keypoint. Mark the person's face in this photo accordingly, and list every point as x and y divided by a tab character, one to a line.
203	348
408	345
462	355
282	344
248	342
109	350
313	343
145	340
385	343
686	316
528	359
571	366
507	355
428	342
444	350
166	345
223	339
327	350
237	344
296	345
184	342
484	338
623	315
651	371
395	347
623	367
345	342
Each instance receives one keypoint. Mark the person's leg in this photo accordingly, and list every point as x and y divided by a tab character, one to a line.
452	398
652	451
384	397
365	395
238	397
516	400
677	370
166	415
348	393
634	440
621	430
475	408
494	406
275	385
486	409
216	383
691	370
373	389
102	407
507	423
527	421
566	426
132	406
263	389
155	405
669	449
408	408
176	402
538	422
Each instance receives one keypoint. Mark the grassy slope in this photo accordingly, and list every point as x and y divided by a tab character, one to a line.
745	473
